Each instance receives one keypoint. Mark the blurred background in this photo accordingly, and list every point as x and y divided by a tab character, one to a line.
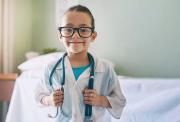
140	36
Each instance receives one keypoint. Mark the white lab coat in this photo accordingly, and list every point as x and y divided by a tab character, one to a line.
105	83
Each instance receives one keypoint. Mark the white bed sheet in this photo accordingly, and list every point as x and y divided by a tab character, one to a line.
148	100
151	100
22	106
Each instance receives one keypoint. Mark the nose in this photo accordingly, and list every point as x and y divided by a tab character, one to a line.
76	34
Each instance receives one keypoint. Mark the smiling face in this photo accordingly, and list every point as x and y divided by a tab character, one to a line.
75	43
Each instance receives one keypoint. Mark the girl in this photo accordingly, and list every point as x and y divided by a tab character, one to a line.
87	87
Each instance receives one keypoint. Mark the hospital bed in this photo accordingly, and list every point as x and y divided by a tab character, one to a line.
6	89
148	99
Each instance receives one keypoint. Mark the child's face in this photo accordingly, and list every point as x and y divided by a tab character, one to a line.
75	43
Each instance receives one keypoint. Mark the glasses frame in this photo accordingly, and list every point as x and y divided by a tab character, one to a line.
76	29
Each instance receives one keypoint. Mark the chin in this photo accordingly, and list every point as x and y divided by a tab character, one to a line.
76	51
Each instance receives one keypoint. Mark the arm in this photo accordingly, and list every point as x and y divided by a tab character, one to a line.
115	97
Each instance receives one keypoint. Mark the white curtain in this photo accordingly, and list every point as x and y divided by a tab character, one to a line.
6	45
6	36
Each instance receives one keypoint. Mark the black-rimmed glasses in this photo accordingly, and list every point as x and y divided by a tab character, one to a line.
83	32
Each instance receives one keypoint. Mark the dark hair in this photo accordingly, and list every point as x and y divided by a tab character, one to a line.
84	9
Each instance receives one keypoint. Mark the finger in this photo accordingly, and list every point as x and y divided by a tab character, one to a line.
90	95
88	102
86	94
58	93
58	99
89	91
57	89
86	91
58	104
88	98
83	91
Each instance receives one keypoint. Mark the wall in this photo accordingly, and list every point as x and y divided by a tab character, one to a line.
35	27
140	36
22	29
44	30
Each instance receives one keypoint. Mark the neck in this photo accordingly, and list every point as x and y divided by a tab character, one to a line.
78	59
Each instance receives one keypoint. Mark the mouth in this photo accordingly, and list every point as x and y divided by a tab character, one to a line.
75	42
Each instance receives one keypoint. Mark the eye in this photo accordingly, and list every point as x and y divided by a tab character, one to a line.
68	30
84	30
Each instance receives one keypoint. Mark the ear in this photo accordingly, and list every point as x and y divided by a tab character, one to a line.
59	37
93	37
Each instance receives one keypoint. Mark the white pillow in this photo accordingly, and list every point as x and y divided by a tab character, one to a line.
39	62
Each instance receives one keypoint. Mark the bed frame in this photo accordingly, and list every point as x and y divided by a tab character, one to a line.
7	85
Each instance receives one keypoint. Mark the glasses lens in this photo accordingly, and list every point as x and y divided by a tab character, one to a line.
66	32
85	31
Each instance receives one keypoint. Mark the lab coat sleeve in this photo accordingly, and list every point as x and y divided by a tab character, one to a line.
42	88
115	97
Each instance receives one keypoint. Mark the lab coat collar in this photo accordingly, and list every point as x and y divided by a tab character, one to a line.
99	67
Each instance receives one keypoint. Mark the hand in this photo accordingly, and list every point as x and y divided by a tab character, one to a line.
55	99
91	97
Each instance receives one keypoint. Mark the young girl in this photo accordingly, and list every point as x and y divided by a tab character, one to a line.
82	87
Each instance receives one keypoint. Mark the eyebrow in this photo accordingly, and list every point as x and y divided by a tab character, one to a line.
69	24
84	25
81	25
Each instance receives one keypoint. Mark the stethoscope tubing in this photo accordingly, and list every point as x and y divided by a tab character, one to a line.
88	108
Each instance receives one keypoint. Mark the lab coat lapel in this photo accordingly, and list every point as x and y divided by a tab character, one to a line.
98	68
69	72
69	76
85	74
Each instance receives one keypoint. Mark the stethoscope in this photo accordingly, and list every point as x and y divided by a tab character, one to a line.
88	108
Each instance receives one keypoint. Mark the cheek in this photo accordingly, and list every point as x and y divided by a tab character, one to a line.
65	41
88	41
